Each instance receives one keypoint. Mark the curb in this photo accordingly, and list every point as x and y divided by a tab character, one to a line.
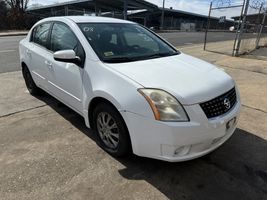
12	34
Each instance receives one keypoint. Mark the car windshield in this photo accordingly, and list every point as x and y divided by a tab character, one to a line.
124	42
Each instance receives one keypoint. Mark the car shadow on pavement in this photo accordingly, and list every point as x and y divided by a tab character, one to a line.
236	170
259	54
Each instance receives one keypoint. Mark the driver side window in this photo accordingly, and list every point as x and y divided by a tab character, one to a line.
62	38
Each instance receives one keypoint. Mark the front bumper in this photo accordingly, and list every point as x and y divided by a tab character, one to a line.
180	141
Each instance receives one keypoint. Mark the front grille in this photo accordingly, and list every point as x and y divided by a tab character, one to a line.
219	105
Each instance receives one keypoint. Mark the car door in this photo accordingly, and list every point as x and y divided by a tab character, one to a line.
37	53
65	79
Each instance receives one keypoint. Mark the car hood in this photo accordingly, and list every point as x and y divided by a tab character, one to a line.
187	78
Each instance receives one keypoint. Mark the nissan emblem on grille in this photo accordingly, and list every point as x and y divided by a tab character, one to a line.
220	104
227	103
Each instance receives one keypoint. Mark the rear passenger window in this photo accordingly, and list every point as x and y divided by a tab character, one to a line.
40	34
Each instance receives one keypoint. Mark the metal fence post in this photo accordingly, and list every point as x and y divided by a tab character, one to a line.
162	14
207	27
237	29
239	37
258	19
261	28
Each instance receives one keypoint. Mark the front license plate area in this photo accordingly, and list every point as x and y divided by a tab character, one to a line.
230	124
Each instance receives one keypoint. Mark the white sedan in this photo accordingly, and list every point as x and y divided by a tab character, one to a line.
132	87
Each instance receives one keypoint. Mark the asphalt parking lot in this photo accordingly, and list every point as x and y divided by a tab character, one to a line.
46	152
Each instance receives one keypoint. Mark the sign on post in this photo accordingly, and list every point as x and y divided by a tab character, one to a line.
222	19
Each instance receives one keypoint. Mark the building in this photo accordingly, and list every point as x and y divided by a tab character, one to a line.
139	11
253	22
253	18
115	8
178	20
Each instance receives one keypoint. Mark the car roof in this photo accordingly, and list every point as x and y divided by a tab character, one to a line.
85	19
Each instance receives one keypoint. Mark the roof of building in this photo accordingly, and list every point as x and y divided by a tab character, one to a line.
132	4
178	12
93	19
183	12
249	15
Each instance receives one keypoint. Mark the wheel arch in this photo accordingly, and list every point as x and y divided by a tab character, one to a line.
92	105
98	100
23	65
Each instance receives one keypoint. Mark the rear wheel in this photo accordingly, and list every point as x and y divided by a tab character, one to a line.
111	130
31	86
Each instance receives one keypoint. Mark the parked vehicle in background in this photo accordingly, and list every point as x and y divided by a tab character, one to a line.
232	28
135	89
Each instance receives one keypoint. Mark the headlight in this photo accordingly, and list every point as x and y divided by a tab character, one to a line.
165	106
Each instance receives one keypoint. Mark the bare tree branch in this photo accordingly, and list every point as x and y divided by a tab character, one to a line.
19	5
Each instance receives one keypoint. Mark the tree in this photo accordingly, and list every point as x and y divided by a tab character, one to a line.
18	5
17	17
3	7
3	13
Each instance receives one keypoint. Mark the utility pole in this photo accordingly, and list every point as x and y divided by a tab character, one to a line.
162	14
125	6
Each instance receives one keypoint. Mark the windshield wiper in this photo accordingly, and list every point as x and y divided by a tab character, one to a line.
119	59
156	55
165	54
131	59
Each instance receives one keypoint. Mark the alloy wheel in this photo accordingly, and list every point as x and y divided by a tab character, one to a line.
108	130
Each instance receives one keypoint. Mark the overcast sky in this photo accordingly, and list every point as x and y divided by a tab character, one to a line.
195	6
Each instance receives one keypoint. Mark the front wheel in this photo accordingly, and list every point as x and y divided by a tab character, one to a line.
111	130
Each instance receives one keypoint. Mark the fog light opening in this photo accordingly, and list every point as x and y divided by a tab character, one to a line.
182	151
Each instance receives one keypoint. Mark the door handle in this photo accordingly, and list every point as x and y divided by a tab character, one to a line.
48	64
28	52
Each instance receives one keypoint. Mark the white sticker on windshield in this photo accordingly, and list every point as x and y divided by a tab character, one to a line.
88	29
109	53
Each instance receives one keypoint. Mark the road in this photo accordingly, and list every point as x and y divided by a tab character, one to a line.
189	38
9	55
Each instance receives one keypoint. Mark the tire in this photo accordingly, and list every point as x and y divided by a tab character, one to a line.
31	86
111	130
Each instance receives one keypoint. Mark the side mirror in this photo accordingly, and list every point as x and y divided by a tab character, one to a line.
67	56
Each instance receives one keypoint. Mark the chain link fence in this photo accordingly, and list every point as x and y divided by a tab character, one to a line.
254	33
222	26
241	25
